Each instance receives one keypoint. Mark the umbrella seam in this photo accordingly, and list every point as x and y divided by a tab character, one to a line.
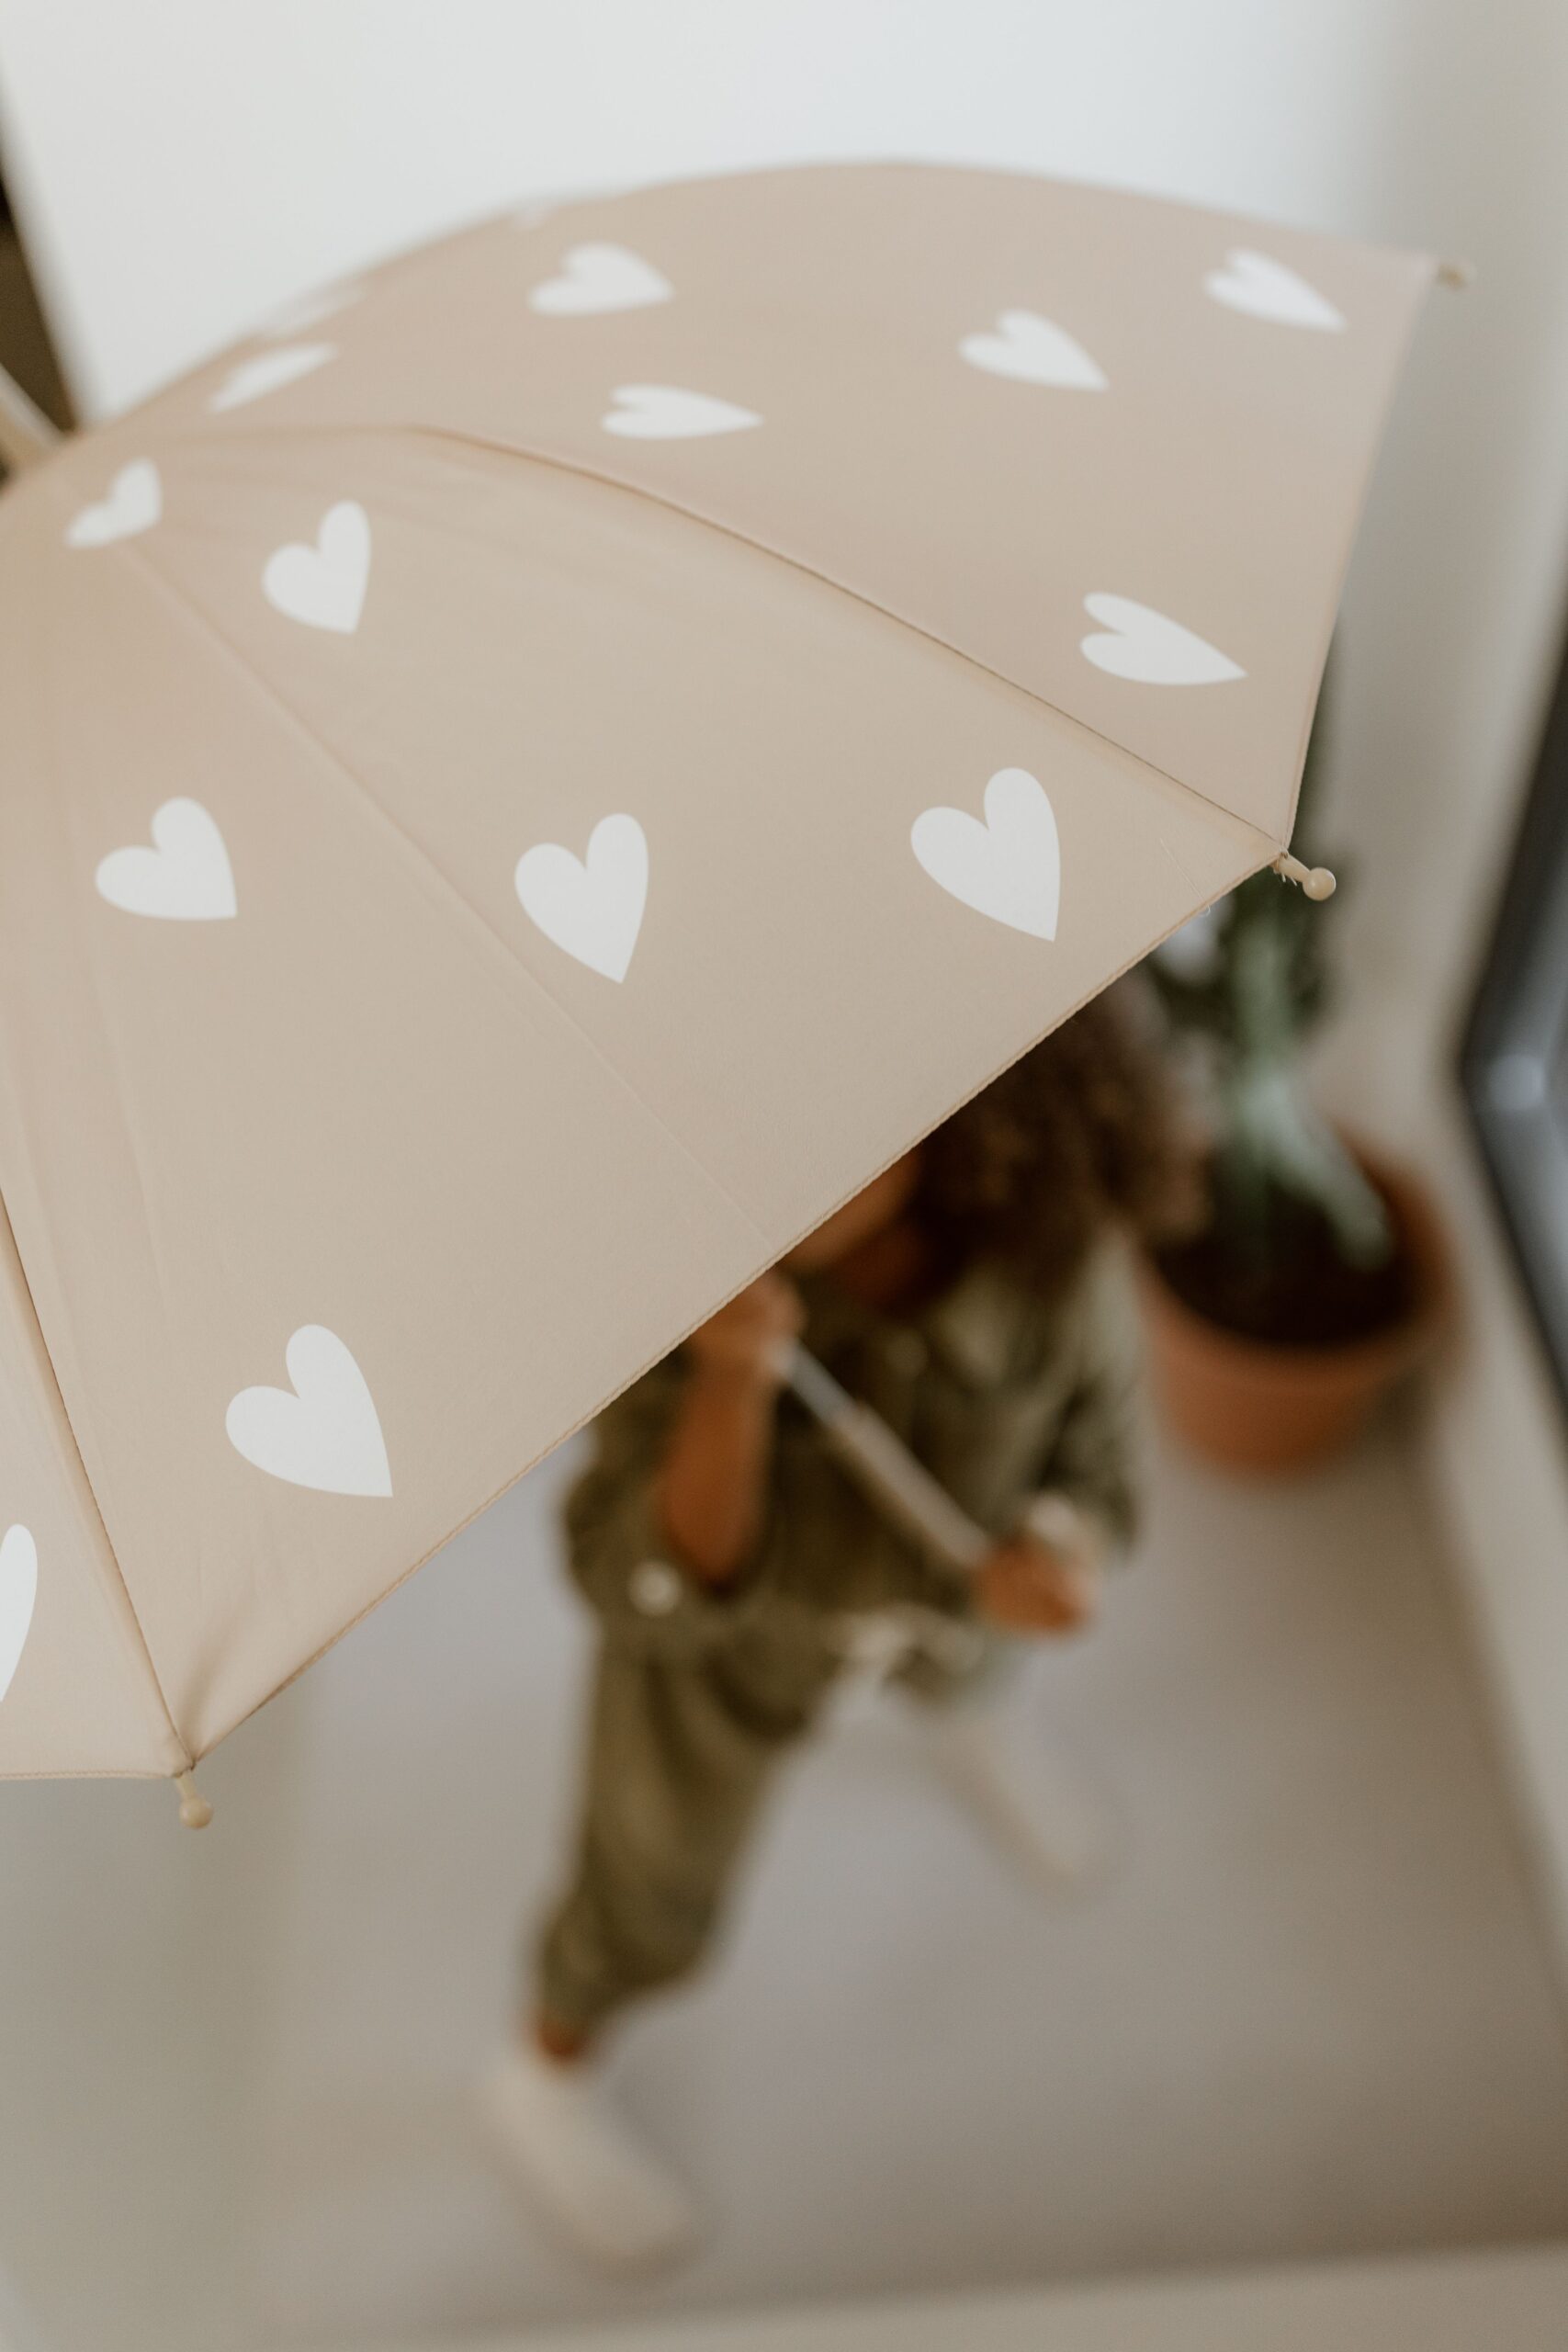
180	1740
585	471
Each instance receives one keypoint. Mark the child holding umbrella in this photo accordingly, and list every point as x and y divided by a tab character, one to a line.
974	1295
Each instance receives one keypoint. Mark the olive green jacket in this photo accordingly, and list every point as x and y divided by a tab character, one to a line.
1002	1398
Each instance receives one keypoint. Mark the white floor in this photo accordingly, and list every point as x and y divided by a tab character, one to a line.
1309	2015
1508	2300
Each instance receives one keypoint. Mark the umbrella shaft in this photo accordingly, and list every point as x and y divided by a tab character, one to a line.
883	1467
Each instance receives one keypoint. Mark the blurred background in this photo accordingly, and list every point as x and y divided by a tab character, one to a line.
1315	2014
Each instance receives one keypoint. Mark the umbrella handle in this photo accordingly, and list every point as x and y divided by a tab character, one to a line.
884	1465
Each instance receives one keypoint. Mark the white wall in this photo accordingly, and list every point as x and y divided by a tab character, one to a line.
1453	626
183	165
180	166
1495	1459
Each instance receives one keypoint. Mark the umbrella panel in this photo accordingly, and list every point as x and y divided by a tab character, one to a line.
378	1099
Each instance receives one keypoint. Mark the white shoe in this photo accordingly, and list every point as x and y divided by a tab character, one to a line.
560	2139
1023	1798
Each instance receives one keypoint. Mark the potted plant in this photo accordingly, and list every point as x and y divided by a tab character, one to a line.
1312	1283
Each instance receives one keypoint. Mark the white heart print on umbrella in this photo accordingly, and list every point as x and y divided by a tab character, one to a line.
1010	867
186	876
268	372
599	278
324	1431
18	1592
135	503
1263	288
1033	350
665	412
324	585
591	907
1136	642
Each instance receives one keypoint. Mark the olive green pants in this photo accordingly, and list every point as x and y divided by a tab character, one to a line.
681	1754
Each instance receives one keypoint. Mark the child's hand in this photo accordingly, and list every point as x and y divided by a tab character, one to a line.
1031	1590
742	1341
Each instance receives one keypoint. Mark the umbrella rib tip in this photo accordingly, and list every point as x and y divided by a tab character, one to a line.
195	1810
1317	881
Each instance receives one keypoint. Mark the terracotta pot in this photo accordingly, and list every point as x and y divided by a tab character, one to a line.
1255	1407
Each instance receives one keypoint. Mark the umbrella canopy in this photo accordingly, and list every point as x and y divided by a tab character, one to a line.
528	782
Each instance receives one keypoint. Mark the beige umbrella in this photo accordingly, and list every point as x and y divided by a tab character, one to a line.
529	780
